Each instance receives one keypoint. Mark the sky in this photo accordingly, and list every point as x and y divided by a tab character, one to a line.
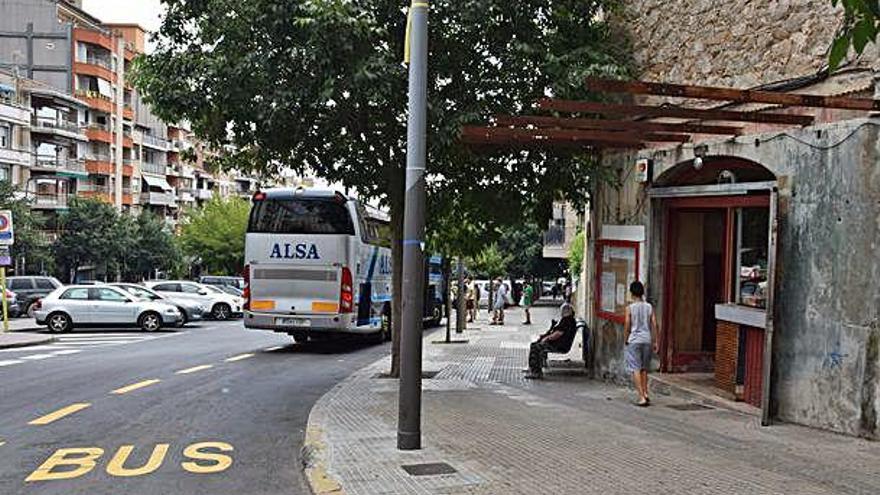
143	12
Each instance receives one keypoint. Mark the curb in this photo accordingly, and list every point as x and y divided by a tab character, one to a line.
16	345
683	392
314	459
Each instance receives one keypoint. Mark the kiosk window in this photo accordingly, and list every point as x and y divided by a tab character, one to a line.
752	245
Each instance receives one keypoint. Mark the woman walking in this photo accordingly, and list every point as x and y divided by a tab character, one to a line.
640	332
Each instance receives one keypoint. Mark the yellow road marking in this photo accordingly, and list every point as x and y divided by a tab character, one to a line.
239	358
195	369
276	348
2	443
55	416
134	386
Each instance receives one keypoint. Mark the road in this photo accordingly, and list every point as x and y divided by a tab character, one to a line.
205	410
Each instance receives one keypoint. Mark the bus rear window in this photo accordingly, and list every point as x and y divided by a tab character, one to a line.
300	216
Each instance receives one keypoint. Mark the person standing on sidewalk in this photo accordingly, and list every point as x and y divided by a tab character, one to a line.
500	301
528	294
471	299
640	332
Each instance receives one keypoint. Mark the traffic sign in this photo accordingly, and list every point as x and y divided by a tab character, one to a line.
5	256
7	235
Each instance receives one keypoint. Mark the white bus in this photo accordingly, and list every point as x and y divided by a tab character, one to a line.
317	263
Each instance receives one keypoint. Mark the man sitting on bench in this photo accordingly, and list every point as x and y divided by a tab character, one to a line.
558	340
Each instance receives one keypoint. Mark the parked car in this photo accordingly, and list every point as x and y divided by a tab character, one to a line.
28	289
102	305
222	305
189	310
237	282
235	291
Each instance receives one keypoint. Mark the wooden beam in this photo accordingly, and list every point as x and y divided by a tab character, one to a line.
733	95
570	106
500	136
616	125
576	134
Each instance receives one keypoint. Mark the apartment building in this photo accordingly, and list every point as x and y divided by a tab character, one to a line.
561	230
90	133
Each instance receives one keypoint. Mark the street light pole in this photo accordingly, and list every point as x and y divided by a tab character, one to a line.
409	434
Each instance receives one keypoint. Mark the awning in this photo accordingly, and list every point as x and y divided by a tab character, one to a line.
159	182
5	88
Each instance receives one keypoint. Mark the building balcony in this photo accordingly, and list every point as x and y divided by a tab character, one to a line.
186	196
157	198
101	193
95	68
49	201
104	165
204	194
156	142
63	128
93	37
96	100
15	157
63	166
15	114
154	168
556	242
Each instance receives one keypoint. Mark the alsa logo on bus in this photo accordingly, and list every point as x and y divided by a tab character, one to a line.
295	251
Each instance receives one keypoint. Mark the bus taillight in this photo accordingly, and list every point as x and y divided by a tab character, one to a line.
247	287
346	298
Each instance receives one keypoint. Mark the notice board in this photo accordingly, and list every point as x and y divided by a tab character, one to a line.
617	264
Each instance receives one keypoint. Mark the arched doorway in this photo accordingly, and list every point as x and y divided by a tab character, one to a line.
716	259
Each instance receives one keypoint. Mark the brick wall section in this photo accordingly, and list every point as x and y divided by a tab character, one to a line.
737	43
726	351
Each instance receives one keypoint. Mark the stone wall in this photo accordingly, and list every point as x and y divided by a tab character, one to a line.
737	43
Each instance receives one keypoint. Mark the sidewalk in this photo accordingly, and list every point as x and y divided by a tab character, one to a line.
502	434
10	340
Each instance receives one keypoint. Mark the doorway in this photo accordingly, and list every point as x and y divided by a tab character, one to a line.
696	275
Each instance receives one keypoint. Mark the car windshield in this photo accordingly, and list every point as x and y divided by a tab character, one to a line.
213	289
141	293
229	290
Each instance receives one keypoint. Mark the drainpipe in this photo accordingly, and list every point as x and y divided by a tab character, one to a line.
120	105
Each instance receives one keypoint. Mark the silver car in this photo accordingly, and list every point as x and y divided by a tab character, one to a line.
91	305
189	310
222	305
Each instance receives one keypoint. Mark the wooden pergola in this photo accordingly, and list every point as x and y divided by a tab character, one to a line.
597	125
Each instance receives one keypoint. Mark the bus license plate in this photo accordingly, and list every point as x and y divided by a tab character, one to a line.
293	322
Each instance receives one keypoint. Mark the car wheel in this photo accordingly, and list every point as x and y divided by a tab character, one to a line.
59	323
436	316
150	321
300	337
221	311
183	319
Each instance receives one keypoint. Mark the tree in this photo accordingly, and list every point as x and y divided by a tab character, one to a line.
214	235
319	85
490	263
154	247
861	22
524	246
31	244
89	236
576	254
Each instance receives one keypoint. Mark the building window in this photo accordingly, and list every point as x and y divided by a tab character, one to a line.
5	173
5	136
751	250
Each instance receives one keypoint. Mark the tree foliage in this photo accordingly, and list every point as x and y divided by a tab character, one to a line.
30	242
319	85
154	247
89	236
214	235
490	263
861	22
576	254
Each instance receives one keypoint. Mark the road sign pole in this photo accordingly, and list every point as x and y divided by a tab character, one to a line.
409	428
5	302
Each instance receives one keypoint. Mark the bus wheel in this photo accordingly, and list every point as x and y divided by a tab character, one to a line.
300	337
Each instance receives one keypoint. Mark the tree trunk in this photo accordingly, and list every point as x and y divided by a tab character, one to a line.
447	297
396	282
